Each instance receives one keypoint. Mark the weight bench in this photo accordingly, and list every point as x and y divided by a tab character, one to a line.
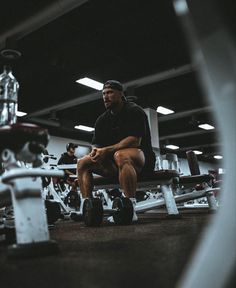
163	178
203	187
166	180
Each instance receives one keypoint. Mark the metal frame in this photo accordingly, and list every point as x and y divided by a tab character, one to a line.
25	187
213	50
168	200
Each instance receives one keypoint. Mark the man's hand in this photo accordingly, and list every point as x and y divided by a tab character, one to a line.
98	154
93	152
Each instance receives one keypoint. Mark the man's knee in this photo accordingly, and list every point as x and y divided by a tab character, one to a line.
83	163
133	157
121	158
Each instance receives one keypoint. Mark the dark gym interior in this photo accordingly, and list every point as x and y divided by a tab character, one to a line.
147	47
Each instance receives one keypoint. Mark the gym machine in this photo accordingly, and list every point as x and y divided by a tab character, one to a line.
20	186
23	188
58	191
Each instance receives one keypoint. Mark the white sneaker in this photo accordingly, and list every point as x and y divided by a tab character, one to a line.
135	217
82	205
110	219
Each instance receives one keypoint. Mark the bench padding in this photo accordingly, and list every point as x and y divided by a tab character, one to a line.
159	176
195	179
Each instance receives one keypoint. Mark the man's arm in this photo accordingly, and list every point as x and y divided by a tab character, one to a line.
128	142
98	154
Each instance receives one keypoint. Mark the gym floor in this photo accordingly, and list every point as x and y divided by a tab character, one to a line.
152	253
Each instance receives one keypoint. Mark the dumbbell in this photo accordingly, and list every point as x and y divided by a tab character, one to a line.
92	212
122	211
53	211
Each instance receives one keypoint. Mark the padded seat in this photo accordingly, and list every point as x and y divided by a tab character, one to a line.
159	176
16	135
195	179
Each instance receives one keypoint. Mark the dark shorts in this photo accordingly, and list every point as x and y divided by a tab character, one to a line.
149	165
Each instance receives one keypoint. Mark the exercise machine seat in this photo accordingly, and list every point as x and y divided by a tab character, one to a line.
160	175
195	179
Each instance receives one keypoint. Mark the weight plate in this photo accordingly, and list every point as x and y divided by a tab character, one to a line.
123	211
93	212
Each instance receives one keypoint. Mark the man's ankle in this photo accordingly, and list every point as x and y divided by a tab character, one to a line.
135	216
134	202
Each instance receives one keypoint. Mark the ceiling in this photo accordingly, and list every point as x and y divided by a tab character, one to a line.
142	45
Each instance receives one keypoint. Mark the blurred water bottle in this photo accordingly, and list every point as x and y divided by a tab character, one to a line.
8	97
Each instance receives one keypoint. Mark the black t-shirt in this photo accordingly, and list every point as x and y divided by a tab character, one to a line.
67	159
130	121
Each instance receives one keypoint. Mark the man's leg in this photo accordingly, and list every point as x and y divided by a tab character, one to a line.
85	168
85	178
130	163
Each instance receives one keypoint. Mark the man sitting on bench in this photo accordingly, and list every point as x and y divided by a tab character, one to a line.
121	145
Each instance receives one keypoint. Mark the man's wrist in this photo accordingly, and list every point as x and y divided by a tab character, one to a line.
111	149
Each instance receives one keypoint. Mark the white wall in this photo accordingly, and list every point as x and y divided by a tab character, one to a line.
57	146
204	167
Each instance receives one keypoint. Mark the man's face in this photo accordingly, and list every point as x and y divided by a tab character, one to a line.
111	97
72	150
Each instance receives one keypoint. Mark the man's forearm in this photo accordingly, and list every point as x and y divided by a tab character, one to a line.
128	142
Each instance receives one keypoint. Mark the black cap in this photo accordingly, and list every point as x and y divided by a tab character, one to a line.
70	145
113	84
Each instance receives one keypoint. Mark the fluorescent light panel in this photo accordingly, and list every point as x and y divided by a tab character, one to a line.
90	83
206	126
84	128
218	157
181	7
20	113
221	171
197	152
164	111
172	147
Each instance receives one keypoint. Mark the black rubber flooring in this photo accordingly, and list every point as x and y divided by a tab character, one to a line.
151	253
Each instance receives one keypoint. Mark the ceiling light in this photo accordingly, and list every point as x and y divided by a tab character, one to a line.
221	170
206	126
164	111
20	113
90	83
84	128
172	147
218	157
181	7
197	152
